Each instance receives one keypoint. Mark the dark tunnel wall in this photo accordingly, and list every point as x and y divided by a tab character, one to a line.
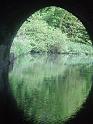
12	16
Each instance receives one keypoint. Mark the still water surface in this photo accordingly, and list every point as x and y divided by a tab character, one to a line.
51	88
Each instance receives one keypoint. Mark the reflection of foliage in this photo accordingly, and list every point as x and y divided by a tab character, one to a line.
49	90
50	26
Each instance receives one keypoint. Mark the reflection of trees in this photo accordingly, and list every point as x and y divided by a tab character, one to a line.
50	91
65	94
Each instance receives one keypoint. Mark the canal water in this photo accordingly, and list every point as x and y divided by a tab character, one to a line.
50	88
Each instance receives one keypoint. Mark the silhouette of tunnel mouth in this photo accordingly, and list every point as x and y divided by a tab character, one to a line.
23	18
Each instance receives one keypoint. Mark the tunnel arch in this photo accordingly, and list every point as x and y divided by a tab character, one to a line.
19	13
15	14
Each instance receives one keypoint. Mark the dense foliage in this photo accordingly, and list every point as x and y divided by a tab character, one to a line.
52	30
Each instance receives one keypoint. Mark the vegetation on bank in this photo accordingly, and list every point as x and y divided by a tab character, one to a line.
52	30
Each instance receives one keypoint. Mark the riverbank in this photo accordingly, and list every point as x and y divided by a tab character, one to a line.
20	48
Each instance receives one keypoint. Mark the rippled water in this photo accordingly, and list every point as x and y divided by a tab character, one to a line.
51	88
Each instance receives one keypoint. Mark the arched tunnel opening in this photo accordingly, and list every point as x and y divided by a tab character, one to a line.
12	18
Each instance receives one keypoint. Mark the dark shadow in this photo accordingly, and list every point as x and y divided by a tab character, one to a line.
12	16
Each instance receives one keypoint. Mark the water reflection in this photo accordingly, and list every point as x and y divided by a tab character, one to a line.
51	88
